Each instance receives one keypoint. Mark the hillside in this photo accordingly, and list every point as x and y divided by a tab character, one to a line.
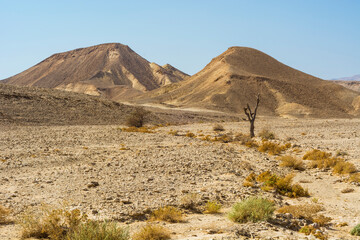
235	77
353	85
113	70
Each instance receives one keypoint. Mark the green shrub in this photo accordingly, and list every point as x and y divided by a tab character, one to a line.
356	230
99	231
253	209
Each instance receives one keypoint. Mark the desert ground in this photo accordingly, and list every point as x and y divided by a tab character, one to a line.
112	174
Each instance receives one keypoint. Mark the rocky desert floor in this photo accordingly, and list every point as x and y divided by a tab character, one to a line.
112	174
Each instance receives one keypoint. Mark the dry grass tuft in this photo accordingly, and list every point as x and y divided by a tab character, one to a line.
342	167
252	209
99	231
291	162
167	214
50	222
191	202
308	212
190	135
152	232
316	155
212	207
137	129
273	148
355	178
282	185
266	134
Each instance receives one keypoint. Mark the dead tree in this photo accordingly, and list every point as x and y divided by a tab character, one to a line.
252	115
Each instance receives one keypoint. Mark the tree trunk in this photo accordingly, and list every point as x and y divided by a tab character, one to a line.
252	127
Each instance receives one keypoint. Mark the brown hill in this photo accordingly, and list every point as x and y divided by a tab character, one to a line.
353	85
112	69
235	77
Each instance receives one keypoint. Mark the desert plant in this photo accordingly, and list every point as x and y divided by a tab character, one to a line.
252	115
316	154
167	214
223	138
191	201
266	134
99	231
356	230
190	134
218	128
151	232
291	162
342	167
4	214
50	222
355	178
253	209
242	138
212	207
136	118
273	148
308	212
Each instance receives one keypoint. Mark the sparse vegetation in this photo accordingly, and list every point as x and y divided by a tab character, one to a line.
191	201
266	134
137	129
308	229
190	135
242	138
218	128
50	222
253	209
4	214
291	162
316	154
273	148
99	231
342	167
356	230
308	211
167	214
136	118
152	232
282	185
212	207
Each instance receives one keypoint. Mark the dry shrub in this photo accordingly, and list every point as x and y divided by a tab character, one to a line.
99	231
242	138
291	162
273	148
190	134
282	185
218	128
250	180
324	163
252	209
191	201
355	178
4	214
342	167
347	190
212	207
266	134
308	212
309	229
251	144
136	118
152	232
223	138
50	222
167	214
316	155
321	220
137	129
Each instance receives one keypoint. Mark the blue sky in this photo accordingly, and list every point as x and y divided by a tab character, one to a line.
319	37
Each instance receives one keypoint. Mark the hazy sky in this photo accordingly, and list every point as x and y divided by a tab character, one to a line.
319	37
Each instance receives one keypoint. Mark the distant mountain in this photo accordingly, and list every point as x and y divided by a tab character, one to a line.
234	78
353	85
113	70
353	78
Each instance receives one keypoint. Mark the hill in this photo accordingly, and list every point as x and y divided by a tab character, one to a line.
113	70
352	78
234	78
353	85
